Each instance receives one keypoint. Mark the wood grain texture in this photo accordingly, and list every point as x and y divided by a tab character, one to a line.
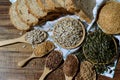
11	54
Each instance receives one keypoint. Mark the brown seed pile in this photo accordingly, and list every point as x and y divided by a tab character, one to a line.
53	60
109	17
44	48
86	71
70	65
35	36
68	33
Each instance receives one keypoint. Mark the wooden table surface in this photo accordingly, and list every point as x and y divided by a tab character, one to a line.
10	55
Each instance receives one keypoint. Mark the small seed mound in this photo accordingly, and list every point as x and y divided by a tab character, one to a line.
68	33
53	60
44	48
36	36
70	65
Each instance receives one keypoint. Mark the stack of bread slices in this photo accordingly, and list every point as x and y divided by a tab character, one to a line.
27	13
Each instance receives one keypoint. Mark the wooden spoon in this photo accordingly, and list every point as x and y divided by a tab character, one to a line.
39	51
10	41
52	62
27	38
45	73
70	66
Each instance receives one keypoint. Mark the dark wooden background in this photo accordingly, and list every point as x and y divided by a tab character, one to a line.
10	55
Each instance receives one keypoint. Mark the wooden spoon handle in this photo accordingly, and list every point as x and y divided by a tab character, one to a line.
23	62
10	41
43	76
68	78
45	73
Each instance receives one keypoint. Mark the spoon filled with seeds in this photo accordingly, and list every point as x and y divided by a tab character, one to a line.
53	60
39	51
86	72
70	66
32	37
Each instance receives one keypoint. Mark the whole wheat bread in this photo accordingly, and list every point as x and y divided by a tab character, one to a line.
73	5
87	7
46	5
15	19
52	5
24	12
35	9
61	2
41	4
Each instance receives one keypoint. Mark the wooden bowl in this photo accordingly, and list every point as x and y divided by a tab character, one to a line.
107	62
79	42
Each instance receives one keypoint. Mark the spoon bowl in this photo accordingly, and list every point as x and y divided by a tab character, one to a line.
70	66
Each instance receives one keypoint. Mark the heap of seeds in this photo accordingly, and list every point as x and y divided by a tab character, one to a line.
35	36
100	48
68	33
86	71
53	60
70	65
44	48
110	23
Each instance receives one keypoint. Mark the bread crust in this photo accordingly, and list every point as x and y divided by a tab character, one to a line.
72	5
46	5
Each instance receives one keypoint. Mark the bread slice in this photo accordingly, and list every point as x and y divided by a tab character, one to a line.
72	5
62	3
50	5
87	7
35	9
24	13
15	19
59	3
56	4
83	16
41	4
46	5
